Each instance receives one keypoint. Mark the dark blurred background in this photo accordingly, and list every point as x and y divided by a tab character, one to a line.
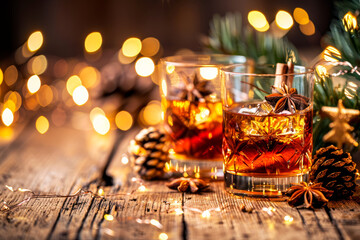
176	23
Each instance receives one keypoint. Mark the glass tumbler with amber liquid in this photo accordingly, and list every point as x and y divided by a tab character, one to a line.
267	124
192	112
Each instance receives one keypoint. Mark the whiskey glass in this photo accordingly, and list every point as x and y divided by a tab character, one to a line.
267	133
192	112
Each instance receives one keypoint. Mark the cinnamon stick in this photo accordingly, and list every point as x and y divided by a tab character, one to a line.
281	68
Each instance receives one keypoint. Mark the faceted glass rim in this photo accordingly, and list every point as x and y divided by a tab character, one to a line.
194	60
226	70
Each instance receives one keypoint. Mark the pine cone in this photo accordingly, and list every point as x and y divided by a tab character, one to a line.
149	153
335	170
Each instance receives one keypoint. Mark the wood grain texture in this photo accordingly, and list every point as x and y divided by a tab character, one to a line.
64	160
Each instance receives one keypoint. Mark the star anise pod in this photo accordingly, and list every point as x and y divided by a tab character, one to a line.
287	99
193	90
308	195
188	184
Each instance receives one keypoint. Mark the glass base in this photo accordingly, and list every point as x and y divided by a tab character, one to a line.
261	186
197	168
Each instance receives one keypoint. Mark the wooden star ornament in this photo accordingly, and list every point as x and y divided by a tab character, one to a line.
340	132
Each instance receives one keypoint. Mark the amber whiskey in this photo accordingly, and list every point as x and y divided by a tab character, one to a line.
194	128
258	142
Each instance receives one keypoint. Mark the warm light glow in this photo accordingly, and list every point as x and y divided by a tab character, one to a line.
142	188
101	192
152	113
170	69
45	96
10	75
164	87
350	22
131	47
1	76
124	160
123	59
12	98
308	29
35	41
179	211
150	47
258	21
38	65
163	236
330	52
284	20
96	111
34	84
89	76
108	217
101	124
42	124
208	73
206	214
73	82
80	95
288	219
144	66
321	70
7	117
301	16
93	42
123	120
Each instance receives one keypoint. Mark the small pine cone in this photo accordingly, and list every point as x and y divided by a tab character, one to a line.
149	153
335	170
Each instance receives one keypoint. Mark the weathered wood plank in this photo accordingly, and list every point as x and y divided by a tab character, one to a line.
51	163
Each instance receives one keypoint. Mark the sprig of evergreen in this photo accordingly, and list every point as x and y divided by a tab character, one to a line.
228	35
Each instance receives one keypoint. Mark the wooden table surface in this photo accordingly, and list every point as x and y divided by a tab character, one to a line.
66	159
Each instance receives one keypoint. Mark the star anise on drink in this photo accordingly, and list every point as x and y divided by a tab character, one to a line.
188	185
308	195
287	98
193	90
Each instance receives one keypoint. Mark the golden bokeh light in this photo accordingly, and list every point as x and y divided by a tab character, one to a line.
15	98
301	16
163	236
150	47
152	113
45	95
80	95
144	66
73	82
96	111
170	69
33	84
35	41
37	65
1	76
101	124
89	76
131	47
350	22
209	73
258	21
321	71
11	75
308	29
284	20
10	104
42	124
331	54
7	117
123	120
123	59
93	42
